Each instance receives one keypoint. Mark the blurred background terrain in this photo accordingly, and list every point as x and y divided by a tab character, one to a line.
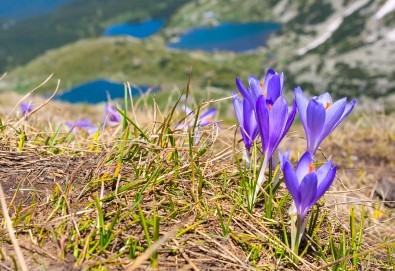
342	46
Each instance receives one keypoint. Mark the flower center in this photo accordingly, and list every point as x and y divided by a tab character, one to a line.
262	87
327	105
311	167
269	103
209	119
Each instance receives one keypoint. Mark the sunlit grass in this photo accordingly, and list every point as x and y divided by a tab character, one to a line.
146	194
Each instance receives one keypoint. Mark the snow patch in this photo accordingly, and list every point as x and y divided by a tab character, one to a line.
388	7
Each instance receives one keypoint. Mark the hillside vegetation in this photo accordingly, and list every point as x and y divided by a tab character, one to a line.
140	62
78	19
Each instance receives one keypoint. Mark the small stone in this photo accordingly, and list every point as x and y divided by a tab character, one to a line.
385	189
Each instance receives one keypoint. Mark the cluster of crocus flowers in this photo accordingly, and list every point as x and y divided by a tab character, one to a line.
264	109
112	118
319	117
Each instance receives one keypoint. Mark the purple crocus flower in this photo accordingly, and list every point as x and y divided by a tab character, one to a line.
207	117
273	122
320	116
271	87
26	108
306	184
271	113
85	125
246	117
112	116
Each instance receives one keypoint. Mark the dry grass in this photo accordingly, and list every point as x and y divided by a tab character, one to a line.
98	203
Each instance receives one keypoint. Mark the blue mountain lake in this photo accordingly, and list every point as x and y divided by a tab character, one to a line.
138	30
237	37
98	90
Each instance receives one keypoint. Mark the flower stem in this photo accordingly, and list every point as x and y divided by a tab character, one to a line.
246	158
297	232
261	178
270	169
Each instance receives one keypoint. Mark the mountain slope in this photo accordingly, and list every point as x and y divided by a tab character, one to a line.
25	40
341	46
22	9
349	52
145	62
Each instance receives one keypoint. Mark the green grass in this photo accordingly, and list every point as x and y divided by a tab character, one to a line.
146	194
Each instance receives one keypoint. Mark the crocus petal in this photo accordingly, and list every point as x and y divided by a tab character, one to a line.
282	80
26	108
83	123
323	171
249	117
325	99
274	88
69	124
291	182
303	167
290	120
347	111
315	117
269	74
210	112
238	106
277	120
333	114
91	130
112	114
245	92
186	109
207	117
249	124
283	157
246	118
325	183
308	189
255	87
262	117
301	103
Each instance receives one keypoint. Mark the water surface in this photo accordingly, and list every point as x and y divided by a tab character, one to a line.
98	91
237	37
138	30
